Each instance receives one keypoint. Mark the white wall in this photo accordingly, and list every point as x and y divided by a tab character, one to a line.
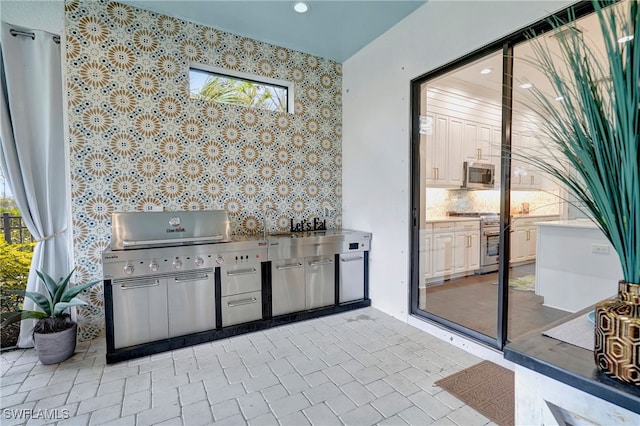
38	15
376	122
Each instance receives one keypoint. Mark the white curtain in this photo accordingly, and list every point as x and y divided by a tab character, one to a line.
32	150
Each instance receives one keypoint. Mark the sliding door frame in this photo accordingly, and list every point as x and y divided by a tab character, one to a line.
506	44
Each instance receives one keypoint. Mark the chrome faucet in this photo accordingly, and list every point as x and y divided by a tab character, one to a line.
264	223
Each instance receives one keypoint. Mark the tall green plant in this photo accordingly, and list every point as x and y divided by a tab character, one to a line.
595	129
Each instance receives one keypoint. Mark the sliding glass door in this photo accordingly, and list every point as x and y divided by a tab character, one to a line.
477	202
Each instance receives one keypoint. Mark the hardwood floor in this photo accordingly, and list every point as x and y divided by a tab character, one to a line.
473	303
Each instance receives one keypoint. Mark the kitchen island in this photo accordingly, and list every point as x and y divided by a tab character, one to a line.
576	265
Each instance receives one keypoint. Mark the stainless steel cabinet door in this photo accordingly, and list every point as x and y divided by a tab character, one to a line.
139	311
287	286
320	281
192	305
351	277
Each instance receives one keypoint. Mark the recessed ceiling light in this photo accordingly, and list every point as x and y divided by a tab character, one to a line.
560	98
485	71
526	86
625	39
301	7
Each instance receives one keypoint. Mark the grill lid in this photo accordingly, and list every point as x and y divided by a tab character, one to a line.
161	229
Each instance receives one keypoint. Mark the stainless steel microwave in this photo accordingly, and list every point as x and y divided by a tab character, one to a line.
478	175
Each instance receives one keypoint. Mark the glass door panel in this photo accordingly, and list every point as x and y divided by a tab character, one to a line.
460	152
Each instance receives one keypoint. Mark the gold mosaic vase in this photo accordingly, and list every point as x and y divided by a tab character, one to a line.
617	335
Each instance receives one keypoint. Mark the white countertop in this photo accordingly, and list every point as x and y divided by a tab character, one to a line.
576	223
524	216
451	219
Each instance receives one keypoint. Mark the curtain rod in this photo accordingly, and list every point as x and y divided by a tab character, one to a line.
14	33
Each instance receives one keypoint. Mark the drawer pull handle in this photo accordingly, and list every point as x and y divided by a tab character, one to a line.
133	287
241	302
241	272
321	262
289	266
186	280
351	259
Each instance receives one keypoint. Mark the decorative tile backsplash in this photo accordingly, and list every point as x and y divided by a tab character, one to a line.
137	139
439	201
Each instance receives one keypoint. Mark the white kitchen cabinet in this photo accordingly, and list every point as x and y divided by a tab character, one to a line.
519	245
466	246
455	249
523	175
442	251
524	237
444	151
477	142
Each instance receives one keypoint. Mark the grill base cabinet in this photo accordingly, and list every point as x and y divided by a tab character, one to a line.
351	277
140	306
319	279
287	286
191	303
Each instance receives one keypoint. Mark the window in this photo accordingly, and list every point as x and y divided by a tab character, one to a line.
238	88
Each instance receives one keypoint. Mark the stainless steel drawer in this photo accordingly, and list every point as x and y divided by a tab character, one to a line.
241	308
241	278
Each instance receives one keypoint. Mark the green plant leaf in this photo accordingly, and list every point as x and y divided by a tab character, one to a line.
9	318
61	306
595	130
62	287
75	290
41	300
49	283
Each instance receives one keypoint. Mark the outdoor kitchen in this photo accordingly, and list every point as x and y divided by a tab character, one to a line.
174	279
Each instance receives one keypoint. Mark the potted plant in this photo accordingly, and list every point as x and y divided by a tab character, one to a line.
54	333
592	123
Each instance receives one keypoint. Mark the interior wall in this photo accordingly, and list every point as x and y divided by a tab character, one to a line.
376	123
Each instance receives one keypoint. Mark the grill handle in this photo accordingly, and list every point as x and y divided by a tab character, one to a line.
197	278
289	266
351	259
155	283
241	272
127	243
241	302
321	262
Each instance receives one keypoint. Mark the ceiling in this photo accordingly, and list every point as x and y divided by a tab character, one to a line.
331	29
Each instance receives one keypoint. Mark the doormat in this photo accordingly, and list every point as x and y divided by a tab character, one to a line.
524	283
487	388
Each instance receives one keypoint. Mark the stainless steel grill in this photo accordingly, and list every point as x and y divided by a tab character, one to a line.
160	274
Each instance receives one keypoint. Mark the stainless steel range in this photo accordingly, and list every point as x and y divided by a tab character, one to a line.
160	279
489	239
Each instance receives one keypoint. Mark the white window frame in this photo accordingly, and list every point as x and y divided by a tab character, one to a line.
289	85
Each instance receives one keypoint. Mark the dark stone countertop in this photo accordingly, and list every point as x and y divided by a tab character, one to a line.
571	365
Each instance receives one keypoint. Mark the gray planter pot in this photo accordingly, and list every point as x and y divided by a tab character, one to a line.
53	348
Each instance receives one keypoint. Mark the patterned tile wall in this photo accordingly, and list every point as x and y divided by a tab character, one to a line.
137	139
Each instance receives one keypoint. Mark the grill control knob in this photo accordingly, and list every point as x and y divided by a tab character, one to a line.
198	262
153	266
128	269
177	264
219	260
